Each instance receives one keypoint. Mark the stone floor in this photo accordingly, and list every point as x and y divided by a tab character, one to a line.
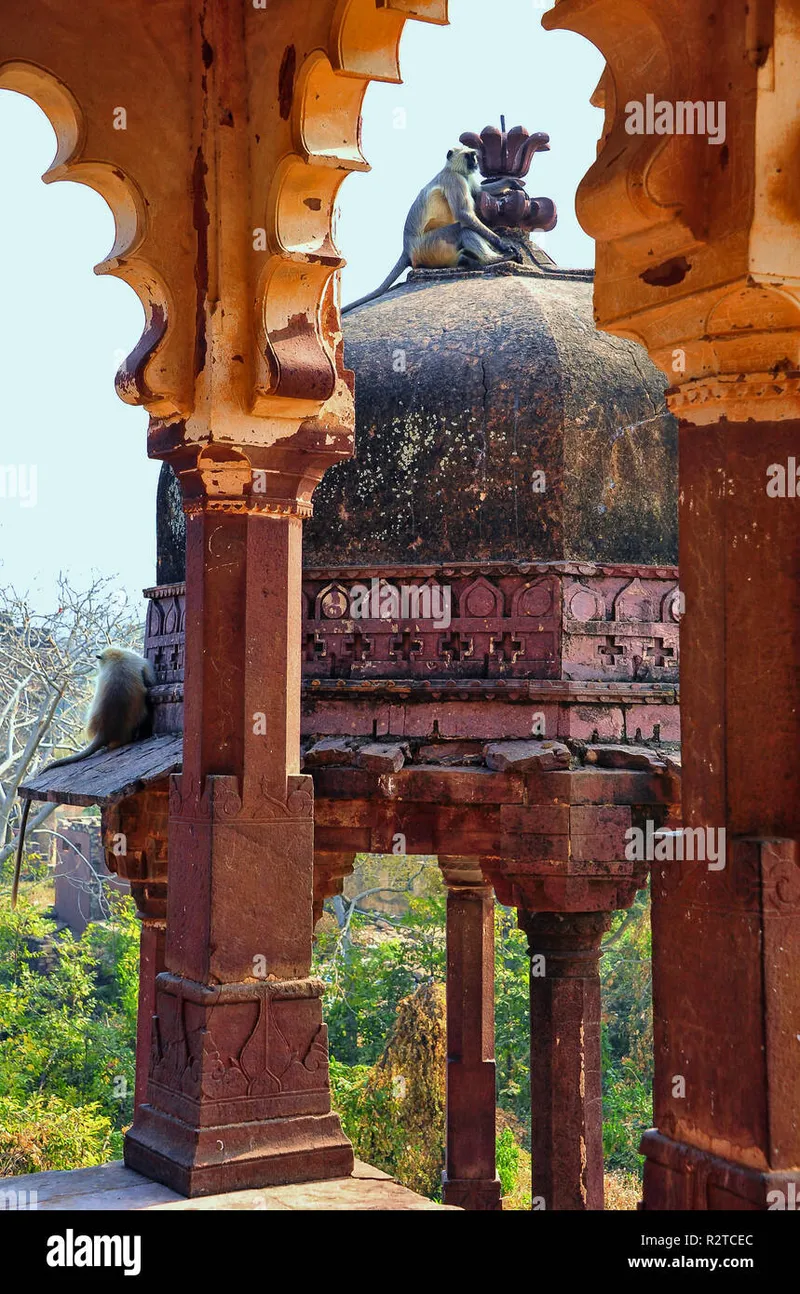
113	1186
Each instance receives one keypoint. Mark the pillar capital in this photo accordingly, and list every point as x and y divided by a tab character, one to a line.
569	941
693	197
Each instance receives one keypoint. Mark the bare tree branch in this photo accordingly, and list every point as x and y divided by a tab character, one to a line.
46	662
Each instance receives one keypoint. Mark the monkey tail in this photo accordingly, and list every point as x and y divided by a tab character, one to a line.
26	808
94	745
402	264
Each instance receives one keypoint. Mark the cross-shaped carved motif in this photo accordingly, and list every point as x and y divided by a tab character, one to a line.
160	663
610	650
508	648
659	653
405	646
314	646
454	648
358	646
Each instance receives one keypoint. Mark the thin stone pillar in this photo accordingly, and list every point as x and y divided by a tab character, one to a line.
566	1097
470	1178
238	1092
135	844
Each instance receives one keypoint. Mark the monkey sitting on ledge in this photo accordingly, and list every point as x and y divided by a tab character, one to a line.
442	229
120	713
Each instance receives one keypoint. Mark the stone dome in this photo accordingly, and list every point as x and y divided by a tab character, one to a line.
469	386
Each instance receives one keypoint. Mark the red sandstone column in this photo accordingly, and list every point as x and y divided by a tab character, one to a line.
238	1092
726	941
566	1098
470	1178
151	963
135	843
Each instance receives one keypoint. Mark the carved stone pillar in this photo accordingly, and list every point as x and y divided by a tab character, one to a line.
726	936
135	844
566	1096
238	1092
698	252
470	1178
224	229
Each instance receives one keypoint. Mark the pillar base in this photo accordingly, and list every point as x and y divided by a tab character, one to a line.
238	1092
236	1157
680	1176
481	1195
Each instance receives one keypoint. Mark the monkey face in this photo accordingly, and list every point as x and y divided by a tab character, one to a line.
463	159
109	654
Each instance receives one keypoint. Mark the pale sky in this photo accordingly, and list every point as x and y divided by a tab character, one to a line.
86	493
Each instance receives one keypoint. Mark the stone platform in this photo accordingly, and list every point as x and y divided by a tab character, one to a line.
113	1186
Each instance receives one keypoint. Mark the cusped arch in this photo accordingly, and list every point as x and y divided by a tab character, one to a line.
297	366
365	34
129	210
626	177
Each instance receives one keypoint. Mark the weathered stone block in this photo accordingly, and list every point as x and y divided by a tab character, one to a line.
330	750
377	758
613	756
522	756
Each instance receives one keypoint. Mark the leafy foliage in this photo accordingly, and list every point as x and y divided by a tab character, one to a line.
393	1111
627	1038
47	1133
507	1161
512	1019
67	1039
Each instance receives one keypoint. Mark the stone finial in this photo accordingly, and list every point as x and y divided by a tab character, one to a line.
503	153
507	155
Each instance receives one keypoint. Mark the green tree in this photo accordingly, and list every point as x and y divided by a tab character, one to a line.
67	1038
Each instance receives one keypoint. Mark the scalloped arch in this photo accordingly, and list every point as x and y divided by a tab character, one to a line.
128	209
326	112
624	178
297	368
365	40
365	34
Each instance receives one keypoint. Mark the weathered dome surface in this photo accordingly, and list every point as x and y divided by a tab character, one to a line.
468	385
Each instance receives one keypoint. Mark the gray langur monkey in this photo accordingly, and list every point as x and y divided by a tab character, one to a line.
120	713
442	229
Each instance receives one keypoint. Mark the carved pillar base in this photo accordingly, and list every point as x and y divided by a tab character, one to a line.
238	1092
135	844
566	1098
470	1178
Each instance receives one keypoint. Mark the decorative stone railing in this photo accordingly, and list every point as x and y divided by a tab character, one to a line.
593	649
